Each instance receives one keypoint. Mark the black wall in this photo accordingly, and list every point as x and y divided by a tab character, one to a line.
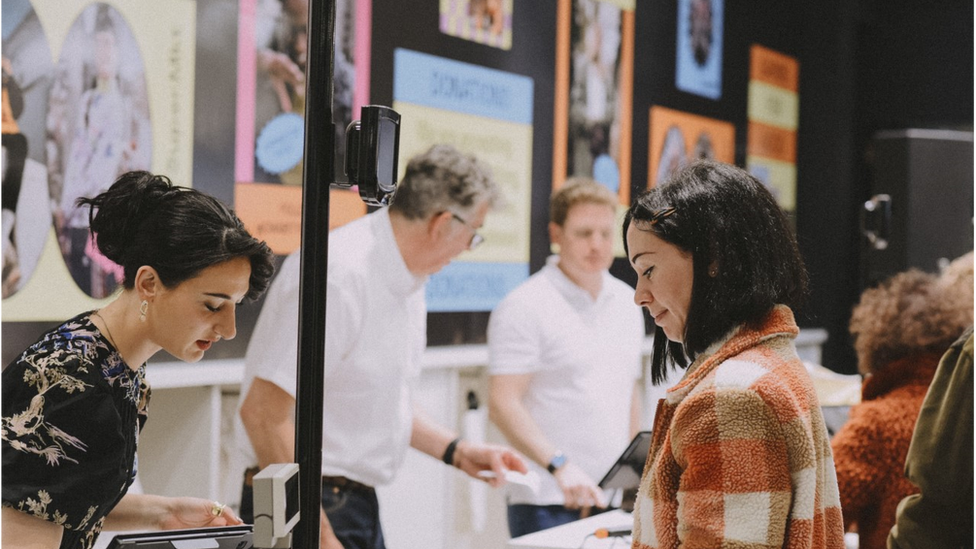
865	65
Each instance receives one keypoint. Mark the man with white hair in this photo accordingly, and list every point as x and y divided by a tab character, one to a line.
376	321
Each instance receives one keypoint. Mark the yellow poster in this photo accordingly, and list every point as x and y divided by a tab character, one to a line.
486	113
773	111
505	146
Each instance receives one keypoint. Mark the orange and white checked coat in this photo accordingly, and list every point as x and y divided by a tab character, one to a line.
740	456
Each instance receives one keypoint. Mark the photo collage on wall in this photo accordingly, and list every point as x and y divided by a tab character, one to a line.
98	129
91	90
699	48
95	89
28	70
594	88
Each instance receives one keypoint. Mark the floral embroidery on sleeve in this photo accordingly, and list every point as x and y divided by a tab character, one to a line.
27	431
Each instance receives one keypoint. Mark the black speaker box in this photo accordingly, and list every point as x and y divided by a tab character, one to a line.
920	213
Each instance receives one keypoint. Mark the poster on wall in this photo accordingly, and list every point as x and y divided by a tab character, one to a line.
594	93
270	133
103	86
677	138
28	69
488	113
698	63
773	113
487	22
98	129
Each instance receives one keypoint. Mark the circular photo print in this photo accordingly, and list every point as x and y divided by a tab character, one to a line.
98	128
27	73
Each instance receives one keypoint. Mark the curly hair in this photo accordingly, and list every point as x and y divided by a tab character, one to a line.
957	278
911	313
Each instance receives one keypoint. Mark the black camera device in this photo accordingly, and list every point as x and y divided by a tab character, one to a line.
372	148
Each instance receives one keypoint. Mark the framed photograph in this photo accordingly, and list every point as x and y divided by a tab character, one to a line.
594	93
486	22
699	49
678	137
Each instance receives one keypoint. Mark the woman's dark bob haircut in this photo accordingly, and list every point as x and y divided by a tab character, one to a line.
727	220
143	219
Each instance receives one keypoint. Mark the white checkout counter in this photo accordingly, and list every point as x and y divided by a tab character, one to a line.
579	534
187	449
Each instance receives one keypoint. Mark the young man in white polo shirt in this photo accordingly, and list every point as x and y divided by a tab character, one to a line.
375	335
564	356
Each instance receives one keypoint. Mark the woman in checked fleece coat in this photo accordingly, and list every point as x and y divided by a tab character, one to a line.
740	455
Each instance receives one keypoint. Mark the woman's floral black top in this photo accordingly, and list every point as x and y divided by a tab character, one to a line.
71	415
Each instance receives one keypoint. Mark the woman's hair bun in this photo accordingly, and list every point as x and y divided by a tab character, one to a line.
145	220
116	214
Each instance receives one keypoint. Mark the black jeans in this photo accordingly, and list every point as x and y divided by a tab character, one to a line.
354	514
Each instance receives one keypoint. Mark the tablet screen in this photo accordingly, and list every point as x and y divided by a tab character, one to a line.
223	537
626	472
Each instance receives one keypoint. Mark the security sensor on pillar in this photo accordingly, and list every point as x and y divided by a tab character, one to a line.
372	148
276	502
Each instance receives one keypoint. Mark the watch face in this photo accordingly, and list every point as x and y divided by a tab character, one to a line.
558	461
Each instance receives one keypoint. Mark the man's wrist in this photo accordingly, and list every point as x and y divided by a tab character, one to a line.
557	461
448	456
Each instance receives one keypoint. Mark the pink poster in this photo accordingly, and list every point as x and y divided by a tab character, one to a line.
271	106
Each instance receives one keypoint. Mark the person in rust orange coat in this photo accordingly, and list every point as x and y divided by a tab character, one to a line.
901	330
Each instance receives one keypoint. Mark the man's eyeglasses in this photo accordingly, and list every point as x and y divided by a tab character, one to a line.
476	238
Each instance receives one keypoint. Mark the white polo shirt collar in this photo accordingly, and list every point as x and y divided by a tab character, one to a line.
396	276
577	296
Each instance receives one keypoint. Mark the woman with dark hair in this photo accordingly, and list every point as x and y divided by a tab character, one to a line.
740	455
74	402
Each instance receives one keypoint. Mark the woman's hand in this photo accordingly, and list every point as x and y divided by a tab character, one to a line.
197	513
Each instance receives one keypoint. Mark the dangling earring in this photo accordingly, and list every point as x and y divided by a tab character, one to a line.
143	309
713	272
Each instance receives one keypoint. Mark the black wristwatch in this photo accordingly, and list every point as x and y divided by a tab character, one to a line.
556	462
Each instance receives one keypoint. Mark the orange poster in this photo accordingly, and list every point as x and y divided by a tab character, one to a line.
595	66
774	68
677	138
275	212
